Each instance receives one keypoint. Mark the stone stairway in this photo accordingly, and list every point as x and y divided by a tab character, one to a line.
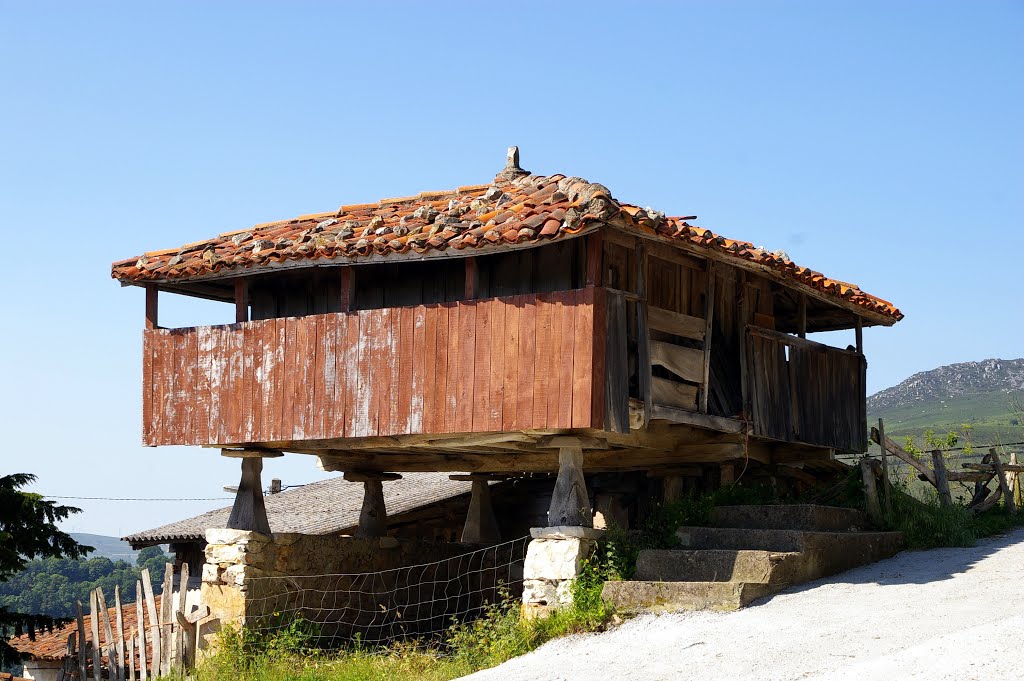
749	553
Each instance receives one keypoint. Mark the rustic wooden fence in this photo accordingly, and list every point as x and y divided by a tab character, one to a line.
161	640
991	469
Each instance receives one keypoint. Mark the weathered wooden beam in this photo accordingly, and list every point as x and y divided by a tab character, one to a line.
364	476
987	467
873	507
719	423
581	441
677	323
249	511
675	471
570	503
250	453
941	480
686	363
643	329
1001	478
152	307
595	255
674	394
241	299
904	456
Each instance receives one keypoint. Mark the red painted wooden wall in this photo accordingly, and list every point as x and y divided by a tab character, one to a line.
501	364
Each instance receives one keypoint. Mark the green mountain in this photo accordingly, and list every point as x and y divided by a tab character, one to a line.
106	547
982	395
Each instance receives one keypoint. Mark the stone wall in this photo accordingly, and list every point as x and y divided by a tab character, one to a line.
555	558
380	588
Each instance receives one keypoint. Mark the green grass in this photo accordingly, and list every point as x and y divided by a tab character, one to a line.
990	416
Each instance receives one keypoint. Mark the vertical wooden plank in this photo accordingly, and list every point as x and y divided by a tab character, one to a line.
480	407
328	335
583	359
598	372
407	386
257	377
290	375
543	350
246	383
527	363
554	360
119	632
305	388
238	386
566	358
276	347
616	361
353	334
384	359
166	614
157	339
108	635
361	422
201	406
435	417
141	623
498	348
709	320
432	371
166	389
395	360
315	388
183	386
154	624
152	322
472	278
179	606
218	383
453	341
94	626
509	348
418	371
466	367
642	329
83	648
147	393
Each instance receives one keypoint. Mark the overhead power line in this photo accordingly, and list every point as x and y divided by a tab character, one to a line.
54	496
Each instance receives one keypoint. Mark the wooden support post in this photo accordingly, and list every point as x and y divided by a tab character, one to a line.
241	300
595	256
727	475
643	335
347	288
941	479
481	525
1001	478
94	625
886	498
472	278
860	335
709	320
82	642
802	320
570	503
166	621
671	488
373	517
249	511
744	305
141	620
152	321
154	623
872	506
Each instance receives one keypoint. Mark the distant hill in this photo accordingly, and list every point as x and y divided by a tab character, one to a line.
108	547
981	394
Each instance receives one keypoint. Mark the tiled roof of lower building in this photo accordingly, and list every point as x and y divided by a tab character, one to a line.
517	208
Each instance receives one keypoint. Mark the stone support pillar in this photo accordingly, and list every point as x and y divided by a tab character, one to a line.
481	525
249	513
554	558
373	517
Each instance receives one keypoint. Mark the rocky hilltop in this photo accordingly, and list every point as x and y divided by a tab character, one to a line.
952	381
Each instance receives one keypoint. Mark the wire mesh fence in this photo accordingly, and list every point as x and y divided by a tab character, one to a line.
377	608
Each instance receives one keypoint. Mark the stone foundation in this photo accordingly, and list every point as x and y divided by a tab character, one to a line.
554	559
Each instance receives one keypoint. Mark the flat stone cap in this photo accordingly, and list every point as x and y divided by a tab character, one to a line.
565	532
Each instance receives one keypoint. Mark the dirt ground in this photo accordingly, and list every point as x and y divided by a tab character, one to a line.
939	614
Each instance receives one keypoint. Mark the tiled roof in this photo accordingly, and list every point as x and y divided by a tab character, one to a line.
325	507
517	208
53	645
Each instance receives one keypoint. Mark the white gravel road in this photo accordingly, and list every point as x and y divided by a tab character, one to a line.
940	614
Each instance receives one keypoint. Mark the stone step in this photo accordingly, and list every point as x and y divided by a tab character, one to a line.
753	567
634	596
807	517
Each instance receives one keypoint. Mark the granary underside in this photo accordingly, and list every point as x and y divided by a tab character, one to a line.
488	328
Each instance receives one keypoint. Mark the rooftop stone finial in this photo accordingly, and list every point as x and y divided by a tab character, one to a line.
512	169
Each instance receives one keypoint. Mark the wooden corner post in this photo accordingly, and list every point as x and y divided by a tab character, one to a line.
241	300
152	293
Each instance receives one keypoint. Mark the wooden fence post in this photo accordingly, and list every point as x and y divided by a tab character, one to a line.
94	625
941	480
154	624
870	491
886	498
120	633
1001	477
141	620
82	647
166	613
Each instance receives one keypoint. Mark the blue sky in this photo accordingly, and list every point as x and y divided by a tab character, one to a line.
878	142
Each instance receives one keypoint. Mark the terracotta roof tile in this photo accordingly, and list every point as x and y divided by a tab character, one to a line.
513	209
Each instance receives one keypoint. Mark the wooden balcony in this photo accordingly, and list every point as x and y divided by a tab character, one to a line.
527	362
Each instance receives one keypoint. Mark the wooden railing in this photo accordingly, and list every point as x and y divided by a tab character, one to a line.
500	364
802	391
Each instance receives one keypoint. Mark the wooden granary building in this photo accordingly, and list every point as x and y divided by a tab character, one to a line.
527	326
